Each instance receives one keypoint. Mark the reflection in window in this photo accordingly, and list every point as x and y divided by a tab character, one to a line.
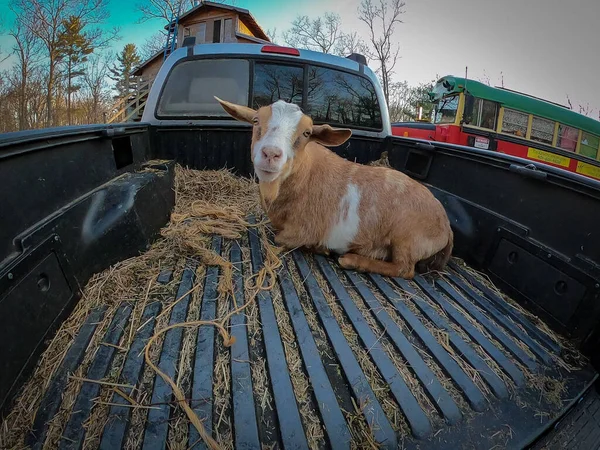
484	114
542	130
446	110
192	85
340	98
515	122
589	145
274	82
567	137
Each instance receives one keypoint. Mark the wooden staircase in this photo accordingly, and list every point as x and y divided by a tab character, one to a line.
131	108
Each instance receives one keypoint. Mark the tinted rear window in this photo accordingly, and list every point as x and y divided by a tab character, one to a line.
274	82
332	96
342	98
192	85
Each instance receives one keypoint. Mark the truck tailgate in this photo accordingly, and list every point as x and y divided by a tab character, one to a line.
322	358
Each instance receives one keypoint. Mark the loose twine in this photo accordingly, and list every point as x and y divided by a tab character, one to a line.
267	272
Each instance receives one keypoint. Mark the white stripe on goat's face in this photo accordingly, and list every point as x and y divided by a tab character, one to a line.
274	144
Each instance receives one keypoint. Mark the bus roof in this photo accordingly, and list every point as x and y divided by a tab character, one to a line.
515	100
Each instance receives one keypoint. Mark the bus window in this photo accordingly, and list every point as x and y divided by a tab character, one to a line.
589	145
567	137
542	130
485	113
446	110
515	122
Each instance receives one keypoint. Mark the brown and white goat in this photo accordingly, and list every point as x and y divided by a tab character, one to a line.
378	219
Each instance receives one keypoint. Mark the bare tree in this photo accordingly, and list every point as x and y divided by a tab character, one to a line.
318	34
351	43
272	33
586	109
27	50
163	9
406	101
569	102
485	79
44	19
381	20
399	101
152	45
167	9
95	84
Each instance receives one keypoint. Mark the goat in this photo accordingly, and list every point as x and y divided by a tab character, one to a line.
376	218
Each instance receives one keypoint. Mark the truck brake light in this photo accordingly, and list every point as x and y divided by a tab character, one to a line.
280	50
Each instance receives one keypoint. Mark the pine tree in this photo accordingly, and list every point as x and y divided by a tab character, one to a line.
74	46
127	60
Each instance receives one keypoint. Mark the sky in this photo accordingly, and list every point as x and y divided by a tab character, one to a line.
546	48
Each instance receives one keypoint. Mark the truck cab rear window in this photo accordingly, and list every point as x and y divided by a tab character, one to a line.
192	85
274	82
331	96
341	98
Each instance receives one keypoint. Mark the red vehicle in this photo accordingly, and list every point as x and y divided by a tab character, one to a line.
472	114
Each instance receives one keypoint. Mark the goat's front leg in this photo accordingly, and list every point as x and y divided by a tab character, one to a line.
291	240
361	263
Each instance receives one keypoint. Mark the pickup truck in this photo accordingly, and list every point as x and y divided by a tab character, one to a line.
110	234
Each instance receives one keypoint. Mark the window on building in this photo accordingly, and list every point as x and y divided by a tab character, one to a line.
191	86
186	32
217	30
542	130
228	31
201	33
515	122
589	145
274	82
567	137
341	98
445	111
485	114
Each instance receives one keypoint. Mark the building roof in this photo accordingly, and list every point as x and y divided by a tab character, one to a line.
138	70
248	19
516	100
259	34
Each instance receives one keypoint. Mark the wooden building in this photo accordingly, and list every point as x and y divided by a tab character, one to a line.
209	22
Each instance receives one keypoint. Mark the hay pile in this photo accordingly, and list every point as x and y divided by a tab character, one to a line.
207	203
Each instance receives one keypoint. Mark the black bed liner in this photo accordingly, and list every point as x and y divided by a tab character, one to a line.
579	429
510	415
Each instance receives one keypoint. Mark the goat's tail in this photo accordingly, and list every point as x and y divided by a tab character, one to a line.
438	261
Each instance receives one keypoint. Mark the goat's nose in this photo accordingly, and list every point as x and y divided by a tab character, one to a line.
272	153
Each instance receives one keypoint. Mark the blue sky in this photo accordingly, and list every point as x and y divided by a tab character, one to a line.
547	48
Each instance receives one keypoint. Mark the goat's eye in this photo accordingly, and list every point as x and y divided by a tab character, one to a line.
255	121
307	133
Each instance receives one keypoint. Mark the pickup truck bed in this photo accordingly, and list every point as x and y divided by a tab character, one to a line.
323	358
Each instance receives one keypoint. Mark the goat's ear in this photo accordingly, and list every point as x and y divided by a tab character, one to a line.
331	137
238	112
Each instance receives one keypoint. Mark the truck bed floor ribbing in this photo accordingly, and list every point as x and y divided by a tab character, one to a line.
432	363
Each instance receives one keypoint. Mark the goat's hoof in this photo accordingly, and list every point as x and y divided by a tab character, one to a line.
348	261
